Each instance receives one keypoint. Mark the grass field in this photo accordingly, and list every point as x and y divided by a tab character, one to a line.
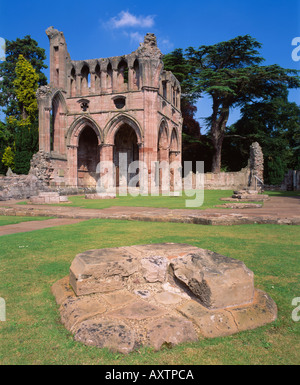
31	262
210	199
4	220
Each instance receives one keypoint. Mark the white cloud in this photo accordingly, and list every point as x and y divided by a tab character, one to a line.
165	45
126	19
136	37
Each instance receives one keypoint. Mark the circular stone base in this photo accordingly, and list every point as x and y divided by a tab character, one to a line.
158	294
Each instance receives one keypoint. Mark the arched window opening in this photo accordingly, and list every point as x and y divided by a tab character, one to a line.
125	145
174	141
57	124
51	129
85	80
109	76
122	75
136	75
164	87
97	78
73	83
162	151
87	157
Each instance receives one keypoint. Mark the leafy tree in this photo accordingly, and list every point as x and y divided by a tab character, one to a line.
31	52
275	124
26	84
178	64
230	73
8	158
26	145
6	140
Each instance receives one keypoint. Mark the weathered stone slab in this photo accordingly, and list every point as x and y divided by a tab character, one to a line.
62	290
100	196
161	294
76	310
211	323
262	311
101	271
119	298
154	269
167	298
139	310
48	197
168	250
170	331
115	335
217	281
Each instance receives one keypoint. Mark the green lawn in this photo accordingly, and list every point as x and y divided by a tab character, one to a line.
283	193
31	262
5	220
210	199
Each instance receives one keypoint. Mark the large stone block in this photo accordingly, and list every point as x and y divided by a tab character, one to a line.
215	280
156	295
101	271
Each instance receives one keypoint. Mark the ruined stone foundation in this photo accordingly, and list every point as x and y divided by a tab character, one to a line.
158	295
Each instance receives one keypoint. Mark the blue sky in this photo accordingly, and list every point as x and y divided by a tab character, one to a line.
96	29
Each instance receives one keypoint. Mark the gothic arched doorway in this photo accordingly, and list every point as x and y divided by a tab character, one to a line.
126	151
88	157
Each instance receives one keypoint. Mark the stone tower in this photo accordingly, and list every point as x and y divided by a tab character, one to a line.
95	110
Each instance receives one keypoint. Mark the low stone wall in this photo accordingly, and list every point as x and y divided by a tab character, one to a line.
224	180
20	187
291	181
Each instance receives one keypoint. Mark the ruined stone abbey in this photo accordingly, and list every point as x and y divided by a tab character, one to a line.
95	110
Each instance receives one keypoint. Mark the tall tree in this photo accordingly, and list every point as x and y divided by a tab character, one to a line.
180	67
231	74
275	124
35	55
26	84
178	64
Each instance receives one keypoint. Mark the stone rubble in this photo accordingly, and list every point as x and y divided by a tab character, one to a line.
158	295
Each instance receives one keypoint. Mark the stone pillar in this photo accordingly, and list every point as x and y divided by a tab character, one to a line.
62	147
78	84
131	86
43	95
256	166
59	57
72	165
115	80
150	129
46	133
106	168
93	83
103	81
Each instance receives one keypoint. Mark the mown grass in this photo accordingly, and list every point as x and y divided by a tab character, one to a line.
12	220
283	193
31	262
210	199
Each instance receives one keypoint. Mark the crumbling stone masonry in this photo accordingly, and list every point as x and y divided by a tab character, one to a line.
158	295
256	166
95	110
